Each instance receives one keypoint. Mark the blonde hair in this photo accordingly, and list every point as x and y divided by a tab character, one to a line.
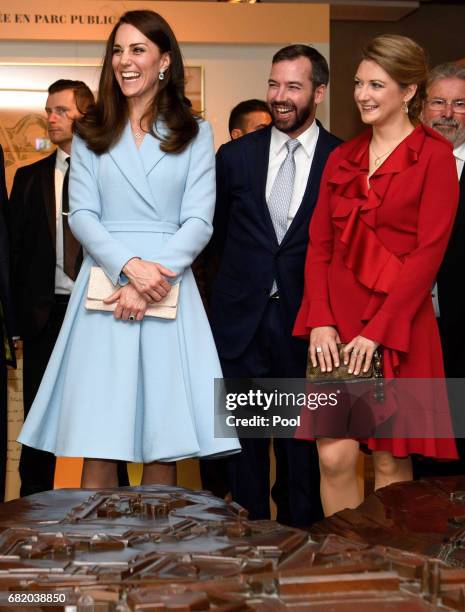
405	62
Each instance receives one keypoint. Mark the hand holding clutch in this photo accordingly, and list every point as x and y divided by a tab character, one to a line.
341	373
100	287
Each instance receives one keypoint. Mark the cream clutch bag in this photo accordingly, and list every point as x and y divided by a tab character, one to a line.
100	287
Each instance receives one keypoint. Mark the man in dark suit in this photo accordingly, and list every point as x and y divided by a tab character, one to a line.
261	241
247	116
444	111
6	327
45	259
41	286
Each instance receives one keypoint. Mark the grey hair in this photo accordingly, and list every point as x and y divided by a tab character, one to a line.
445	71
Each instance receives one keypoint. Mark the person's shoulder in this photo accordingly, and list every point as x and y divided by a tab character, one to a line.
37	166
240	146
80	149
435	142
328	138
204	125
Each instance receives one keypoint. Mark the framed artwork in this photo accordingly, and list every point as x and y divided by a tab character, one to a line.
23	127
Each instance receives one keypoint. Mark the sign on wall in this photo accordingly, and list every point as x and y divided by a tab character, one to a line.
196	22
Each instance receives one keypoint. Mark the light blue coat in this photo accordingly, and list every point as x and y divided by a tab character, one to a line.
129	390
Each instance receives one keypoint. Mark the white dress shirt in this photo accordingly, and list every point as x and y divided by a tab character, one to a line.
303	162
459	154
63	283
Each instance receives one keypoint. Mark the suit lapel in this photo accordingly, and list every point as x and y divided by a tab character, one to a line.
47	179
257	162
313	184
129	161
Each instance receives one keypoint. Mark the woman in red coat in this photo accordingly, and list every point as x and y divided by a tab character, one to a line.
385	211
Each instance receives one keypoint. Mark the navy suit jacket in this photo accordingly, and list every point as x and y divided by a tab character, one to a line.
244	241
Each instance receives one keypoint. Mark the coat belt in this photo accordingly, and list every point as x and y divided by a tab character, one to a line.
152	227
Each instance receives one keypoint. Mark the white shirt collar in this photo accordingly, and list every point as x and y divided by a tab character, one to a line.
459	152
307	139
61	159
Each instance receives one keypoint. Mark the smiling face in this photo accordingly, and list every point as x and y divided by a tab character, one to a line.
379	98
291	97
446	120
136	63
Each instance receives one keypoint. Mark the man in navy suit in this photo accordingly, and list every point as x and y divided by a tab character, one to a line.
259	285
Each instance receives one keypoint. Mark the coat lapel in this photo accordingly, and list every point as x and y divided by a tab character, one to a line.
129	161
313	185
257	162
47	179
150	147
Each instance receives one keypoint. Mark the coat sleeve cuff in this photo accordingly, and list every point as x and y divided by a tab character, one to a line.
391	331
315	313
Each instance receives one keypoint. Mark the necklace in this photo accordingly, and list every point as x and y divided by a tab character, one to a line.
379	158
138	135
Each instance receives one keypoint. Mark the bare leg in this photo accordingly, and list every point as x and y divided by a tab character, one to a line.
389	469
159	473
99	474
338	471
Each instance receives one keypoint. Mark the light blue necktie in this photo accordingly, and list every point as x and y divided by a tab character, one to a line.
281	192
281	195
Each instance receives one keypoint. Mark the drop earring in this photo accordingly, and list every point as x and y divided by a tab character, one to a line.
405	107
161	75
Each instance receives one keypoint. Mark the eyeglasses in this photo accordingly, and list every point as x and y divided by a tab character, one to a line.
439	104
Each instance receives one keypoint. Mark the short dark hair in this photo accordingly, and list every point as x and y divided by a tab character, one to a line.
239	112
82	93
320	70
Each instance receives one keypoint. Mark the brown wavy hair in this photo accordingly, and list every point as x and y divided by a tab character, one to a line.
104	123
405	62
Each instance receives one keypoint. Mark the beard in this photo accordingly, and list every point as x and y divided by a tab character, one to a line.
295	119
450	129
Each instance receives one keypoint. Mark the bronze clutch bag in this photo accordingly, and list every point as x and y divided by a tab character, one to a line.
341	373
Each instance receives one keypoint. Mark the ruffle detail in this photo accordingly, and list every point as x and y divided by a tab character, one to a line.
312	314
372	263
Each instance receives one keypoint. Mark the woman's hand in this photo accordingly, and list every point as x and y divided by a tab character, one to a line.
323	349
148	278
130	303
359	353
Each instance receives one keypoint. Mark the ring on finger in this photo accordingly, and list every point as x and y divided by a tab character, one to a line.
132	317
319	349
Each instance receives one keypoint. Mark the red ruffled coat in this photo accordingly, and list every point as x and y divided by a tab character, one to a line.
373	256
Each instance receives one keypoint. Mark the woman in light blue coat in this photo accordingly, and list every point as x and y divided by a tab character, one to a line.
122	385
